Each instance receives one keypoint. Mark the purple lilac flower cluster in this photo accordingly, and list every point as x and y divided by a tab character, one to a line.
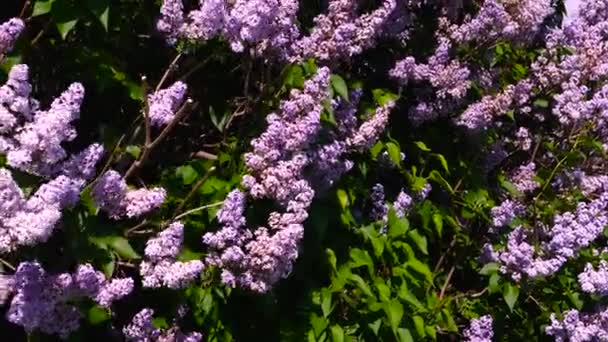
112	195
341	33
571	232
595	281
44	301
161	268
163	104
576	326
9	32
479	330
271	26
141	328
261	24
256	260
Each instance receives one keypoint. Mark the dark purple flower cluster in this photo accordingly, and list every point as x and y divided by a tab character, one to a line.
45	302
576	326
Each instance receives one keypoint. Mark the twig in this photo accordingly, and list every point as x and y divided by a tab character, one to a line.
447	281
194	69
136	227
7	264
442	257
204	155
198	209
149	146
194	190
41	33
26	5
168	72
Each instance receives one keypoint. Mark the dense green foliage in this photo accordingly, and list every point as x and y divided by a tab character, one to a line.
420	281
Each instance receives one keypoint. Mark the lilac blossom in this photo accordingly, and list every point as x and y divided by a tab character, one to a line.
161	268
43	301
141	328
523	178
595	281
9	32
503	214
479	330
112	195
577	326
402	204
38	144
341	33
163	104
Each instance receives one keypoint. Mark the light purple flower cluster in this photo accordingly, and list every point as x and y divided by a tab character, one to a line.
163	104
503	214
9	32
31	138
112	195
26	222
341	33
479	330
257	259
523	178
511	19
571	232
161	268
44	301
261	24
270	26
142	329
576	326
593	281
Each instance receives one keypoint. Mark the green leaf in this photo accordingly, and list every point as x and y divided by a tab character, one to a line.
118	243
383	96
133	150
394	152
419	240
436	176
360	258
421	268
438	221
449	320
66	16
343	198
339	86
541	103
394	312
361	284
575	299
396	226
337	333
422	146
326	307
42	7
101	10
187	173
97	315
65	27
375	326
494	283
510	294
404	335
108	267
443	161
431	331
419	324
489	268
160	322
409	297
